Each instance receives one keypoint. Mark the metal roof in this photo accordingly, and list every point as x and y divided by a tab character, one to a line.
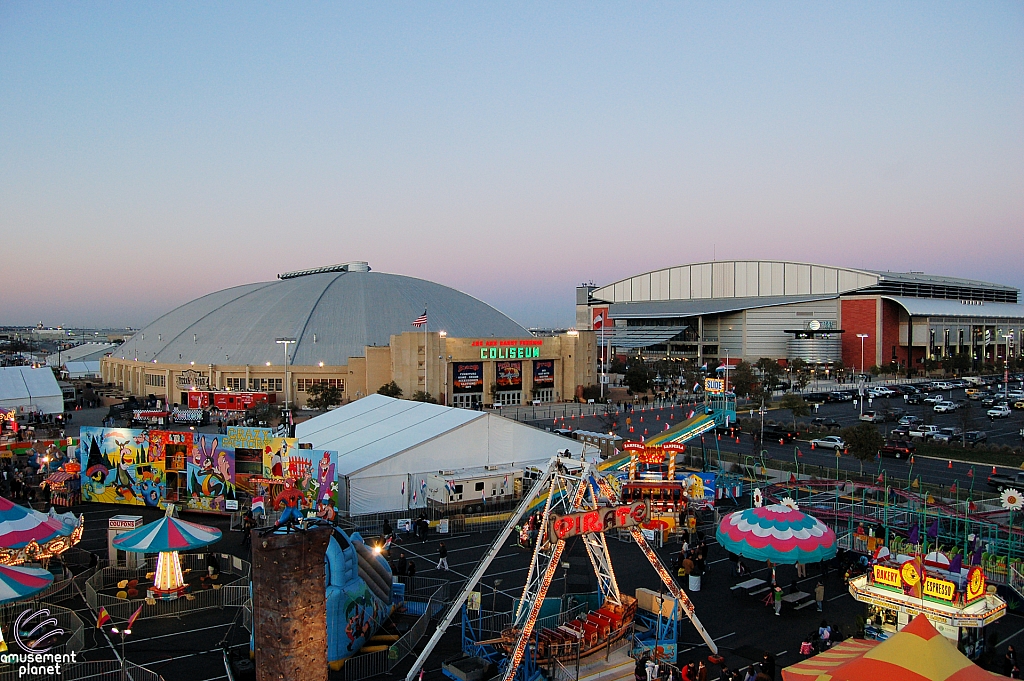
922	278
333	316
934	307
86	352
661	309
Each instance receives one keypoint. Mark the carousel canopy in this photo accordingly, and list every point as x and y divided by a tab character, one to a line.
167	534
779	533
917	652
20	525
17	583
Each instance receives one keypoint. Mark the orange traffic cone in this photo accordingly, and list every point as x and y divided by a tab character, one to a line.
994	470
645	431
812	446
950	465
970	473
737	439
911	459
799	453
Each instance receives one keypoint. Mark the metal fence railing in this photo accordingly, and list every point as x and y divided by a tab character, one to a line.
405	645
365	666
71	641
100	670
218	596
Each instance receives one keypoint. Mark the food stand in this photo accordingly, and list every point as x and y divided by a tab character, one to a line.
66	485
959	603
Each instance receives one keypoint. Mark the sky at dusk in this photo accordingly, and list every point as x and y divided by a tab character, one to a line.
154	152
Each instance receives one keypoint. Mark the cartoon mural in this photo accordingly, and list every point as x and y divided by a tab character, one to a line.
211	475
117	467
313	473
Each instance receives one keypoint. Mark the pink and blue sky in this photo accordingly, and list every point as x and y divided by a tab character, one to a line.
154	152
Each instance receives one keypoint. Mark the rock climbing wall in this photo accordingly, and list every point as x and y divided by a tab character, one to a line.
290	605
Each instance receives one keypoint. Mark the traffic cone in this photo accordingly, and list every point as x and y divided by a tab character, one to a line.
781	442
645	431
812	446
950	465
994	470
799	453
631	429
911	459
970	473
737	439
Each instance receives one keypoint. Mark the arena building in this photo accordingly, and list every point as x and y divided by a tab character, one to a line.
748	309
351	328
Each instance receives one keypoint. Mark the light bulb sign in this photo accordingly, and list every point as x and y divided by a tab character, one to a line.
598	520
714	385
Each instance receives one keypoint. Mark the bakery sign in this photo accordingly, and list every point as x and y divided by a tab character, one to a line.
190	378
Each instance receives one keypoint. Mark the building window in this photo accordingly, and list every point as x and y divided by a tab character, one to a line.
235	383
266	385
156	380
303	384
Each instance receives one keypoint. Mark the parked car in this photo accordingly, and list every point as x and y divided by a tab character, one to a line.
1019	404
872	417
830	442
826	423
923	431
778	433
915	399
1000	411
973	437
840	396
1000	481
816	398
894	415
948	435
900	432
989	400
935	399
910	420
944	408
897	448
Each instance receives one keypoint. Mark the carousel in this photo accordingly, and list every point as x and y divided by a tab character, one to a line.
167	537
26	535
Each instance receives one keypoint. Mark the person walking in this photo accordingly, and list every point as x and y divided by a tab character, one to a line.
652	669
403	564
819	595
442	553
640	668
778	601
1009	661
801	570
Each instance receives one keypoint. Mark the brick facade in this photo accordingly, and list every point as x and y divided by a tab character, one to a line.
859	316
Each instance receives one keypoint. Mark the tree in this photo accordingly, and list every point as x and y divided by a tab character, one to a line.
322	396
269	414
863	440
965	420
637	378
796	405
743	379
421	396
771	372
390	390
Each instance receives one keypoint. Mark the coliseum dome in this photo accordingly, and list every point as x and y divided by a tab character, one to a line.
332	312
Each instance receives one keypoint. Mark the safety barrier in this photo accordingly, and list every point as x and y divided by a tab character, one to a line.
100	670
219	596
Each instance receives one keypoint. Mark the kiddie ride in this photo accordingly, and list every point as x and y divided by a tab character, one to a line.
579	503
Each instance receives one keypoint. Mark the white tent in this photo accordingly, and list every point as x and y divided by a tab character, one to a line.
384	443
30	389
83	369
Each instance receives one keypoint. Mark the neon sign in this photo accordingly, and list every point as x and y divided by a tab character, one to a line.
509	353
598	520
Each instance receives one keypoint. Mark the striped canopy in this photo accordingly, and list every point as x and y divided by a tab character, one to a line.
20	525
17	583
167	534
778	533
918	653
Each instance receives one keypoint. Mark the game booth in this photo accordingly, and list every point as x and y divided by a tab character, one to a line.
957	600
200	472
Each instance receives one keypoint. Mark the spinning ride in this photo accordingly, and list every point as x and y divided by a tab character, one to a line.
167	537
578	503
19	583
28	535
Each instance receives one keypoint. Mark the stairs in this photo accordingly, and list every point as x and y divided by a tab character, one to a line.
618	667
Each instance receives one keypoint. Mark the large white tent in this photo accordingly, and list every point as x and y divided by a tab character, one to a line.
384	443
29	389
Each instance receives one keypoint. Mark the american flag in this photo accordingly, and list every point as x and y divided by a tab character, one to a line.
421	320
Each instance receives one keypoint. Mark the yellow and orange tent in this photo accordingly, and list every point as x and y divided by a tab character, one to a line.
918	653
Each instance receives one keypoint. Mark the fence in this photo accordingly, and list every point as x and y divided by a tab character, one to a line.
122	608
66	619
102	670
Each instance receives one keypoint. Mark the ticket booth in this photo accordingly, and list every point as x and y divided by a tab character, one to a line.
120	524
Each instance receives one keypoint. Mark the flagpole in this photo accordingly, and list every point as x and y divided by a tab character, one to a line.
426	352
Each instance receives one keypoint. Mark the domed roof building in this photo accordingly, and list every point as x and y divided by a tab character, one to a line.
333	313
351	328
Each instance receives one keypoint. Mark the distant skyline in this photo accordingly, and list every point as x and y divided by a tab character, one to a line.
150	154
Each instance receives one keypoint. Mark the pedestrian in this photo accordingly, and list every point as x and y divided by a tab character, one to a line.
640	668
410	570
402	564
825	634
751	673
778	601
652	669
442	553
1009	661
801	570
768	666
819	595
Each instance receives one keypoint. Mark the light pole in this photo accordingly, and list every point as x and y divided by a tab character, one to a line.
442	334
287	388
862	336
1006	366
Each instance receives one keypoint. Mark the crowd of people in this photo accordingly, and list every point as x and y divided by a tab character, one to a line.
648	669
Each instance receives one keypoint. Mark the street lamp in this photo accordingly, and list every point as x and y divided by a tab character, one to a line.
862	336
286	342
1006	366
